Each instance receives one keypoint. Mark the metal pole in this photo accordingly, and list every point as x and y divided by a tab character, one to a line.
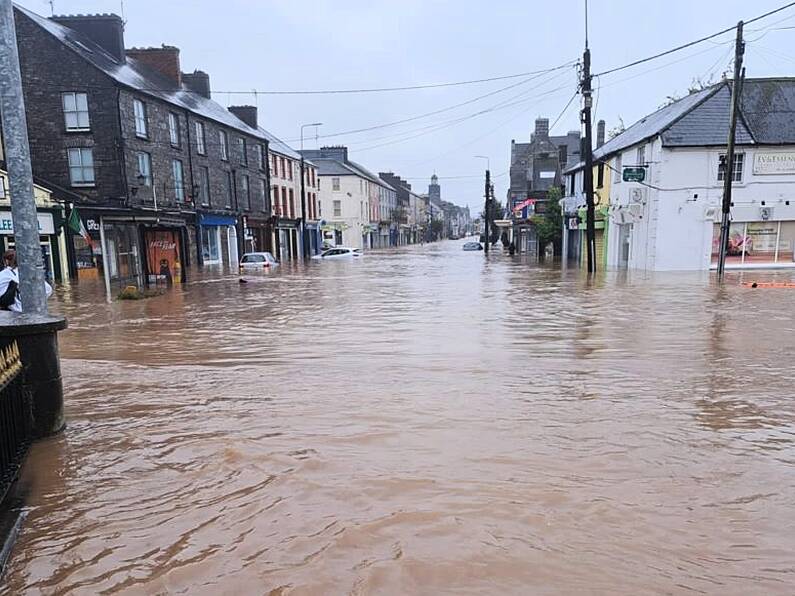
304	236
20	174
487	211
590	214
105	260
737	86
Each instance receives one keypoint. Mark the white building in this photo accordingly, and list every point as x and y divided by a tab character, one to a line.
670	220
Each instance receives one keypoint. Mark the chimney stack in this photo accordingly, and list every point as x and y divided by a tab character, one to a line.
247	114
105	30
542	128
600	133
164	60
198	81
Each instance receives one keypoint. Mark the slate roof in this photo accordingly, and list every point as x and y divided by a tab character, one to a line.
138	76
767	117
327	166
276	145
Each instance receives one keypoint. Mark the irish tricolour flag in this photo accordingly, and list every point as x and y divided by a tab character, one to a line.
76	225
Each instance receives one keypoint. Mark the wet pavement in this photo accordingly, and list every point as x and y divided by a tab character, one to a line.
423	421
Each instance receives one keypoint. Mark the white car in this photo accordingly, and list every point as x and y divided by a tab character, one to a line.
340	252
253	261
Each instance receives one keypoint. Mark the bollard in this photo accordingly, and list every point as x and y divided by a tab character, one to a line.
37	338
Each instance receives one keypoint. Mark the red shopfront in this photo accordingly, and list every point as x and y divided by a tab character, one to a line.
164	256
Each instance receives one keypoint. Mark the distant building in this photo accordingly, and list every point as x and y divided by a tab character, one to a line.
536	167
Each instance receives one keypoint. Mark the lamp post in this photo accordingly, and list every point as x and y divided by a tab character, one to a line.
486	210
304	235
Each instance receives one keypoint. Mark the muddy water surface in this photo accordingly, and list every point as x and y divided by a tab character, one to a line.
421	422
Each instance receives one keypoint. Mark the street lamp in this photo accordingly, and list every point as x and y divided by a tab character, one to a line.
486	226
304	235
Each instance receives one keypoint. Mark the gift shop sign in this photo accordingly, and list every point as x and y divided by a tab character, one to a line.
46	224
774	163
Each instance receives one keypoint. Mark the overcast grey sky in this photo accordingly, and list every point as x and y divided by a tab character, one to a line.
336	44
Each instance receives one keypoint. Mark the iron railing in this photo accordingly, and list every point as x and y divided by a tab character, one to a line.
16	416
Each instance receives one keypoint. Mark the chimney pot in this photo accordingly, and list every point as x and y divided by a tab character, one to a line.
198	81
600	133
164	60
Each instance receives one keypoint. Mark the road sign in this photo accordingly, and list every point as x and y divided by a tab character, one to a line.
634	174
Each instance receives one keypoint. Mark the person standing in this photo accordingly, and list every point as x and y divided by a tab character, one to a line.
9	284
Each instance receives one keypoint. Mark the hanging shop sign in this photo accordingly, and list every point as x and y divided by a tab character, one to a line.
46	223
774	163
633	174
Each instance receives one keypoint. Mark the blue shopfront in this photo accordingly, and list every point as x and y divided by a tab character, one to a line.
218	240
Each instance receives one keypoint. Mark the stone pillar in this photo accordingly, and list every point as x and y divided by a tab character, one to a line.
37	338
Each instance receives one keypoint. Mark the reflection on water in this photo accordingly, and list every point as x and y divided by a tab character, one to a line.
420	422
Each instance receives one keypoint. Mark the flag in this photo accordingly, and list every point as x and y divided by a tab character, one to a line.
75	224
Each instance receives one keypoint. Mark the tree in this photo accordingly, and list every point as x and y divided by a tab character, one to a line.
496	211
437	226
696	85
617	129
549	224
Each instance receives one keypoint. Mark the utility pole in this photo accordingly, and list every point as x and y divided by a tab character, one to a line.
304	235
728	170
590	215
20	174
487	210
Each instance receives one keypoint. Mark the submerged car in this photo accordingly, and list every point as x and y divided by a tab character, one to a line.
253	261
473	246
340	252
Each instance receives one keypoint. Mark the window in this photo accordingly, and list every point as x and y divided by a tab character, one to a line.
261	157
275	199
223	141
179	180
335	184
75	110
201	147
290	169
263	190
230	189
337	208
211	252
204	185
737	172
241	146
292	203
245	192
600	176
641	158
2	188
284	170
173	129
140	118
284	202
274	168
144	168
81	166
617	172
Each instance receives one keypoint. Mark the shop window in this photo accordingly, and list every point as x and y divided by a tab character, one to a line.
211	245
756	242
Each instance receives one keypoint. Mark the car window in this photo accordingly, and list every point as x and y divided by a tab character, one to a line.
253	258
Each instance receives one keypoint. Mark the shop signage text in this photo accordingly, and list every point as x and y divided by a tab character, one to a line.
46	224
636	174
774	163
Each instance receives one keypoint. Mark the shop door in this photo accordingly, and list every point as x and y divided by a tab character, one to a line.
233	256
163	257
624	236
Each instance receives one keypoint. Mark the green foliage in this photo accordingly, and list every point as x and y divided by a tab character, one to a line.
549	224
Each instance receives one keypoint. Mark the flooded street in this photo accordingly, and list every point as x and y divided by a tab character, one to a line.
424	421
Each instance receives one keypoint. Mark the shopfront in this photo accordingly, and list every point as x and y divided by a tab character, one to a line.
287	241
754	244
164	261
218	239
51	241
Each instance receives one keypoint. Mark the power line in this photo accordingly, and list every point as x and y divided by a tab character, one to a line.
404	88
692	43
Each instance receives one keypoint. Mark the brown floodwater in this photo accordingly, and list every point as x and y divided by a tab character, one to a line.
423	421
